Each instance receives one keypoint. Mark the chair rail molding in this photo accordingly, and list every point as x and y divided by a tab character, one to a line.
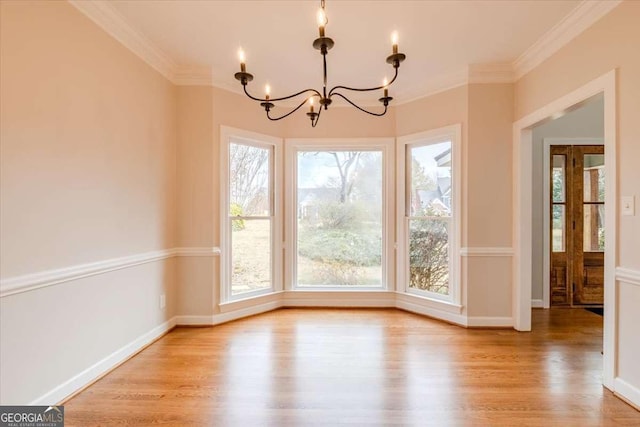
41	279
628	275
477	251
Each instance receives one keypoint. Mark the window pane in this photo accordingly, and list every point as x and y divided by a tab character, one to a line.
593	177
251	255
429	255
249	180
593	228
339	211
557	228
558	173
430	180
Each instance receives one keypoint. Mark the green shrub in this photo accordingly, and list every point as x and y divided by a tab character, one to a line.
236	224
341	246
429	256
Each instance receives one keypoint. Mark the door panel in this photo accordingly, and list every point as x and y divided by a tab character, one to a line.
577	225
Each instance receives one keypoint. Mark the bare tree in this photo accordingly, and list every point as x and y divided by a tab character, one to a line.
347	164
249	172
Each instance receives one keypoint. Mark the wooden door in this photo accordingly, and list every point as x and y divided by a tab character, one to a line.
577	225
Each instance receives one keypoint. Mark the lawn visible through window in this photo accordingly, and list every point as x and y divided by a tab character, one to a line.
250	214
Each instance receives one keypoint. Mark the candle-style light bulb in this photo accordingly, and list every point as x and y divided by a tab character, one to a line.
394	41
311	103
267	91
385	83
322	20
242	58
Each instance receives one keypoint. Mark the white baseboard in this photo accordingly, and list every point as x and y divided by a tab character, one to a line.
216	319
187	320
337	302
245	312
454	318
537	303
627	392
490	322
95	371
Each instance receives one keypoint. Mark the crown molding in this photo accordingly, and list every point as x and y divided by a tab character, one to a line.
439	84
578	20
107	18
491	73
192	76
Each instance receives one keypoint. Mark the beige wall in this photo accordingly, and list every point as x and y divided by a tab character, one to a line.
432	112
196	223
488	198
612	42
88	147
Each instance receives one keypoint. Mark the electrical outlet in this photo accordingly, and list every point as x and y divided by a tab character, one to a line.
163	301
628	206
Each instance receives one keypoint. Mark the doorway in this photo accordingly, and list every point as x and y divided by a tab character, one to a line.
576	231
523	164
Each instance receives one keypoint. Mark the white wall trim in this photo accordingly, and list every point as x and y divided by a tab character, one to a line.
537	303
628	276
429	303
628	392
197	251
578	20
339	299
29	282
192	76
32	281
194	320
490	322
95	371
435	313
487	251
246	312
216	319
107	18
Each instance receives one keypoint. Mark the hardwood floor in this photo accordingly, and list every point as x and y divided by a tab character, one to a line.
329	367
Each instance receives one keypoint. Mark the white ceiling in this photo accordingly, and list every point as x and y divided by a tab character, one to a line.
440	38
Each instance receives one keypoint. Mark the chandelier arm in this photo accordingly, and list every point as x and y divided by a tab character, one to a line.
283	98
333	89
315	122
288	114
360	108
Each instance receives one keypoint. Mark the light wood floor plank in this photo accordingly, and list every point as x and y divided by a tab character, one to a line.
329	367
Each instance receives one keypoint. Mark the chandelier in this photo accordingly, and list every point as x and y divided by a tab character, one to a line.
324	98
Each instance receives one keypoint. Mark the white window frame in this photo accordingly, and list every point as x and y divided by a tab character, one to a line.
227	136
451	133
293	146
